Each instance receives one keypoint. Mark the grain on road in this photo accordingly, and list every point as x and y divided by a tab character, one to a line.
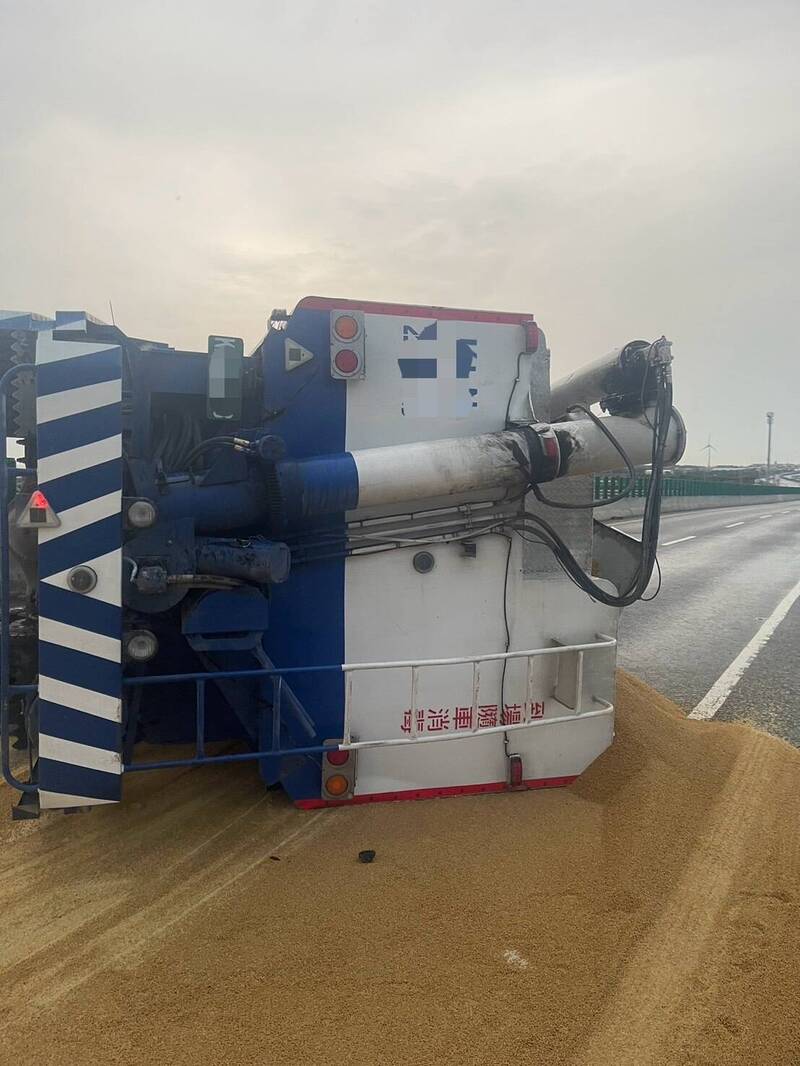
647	915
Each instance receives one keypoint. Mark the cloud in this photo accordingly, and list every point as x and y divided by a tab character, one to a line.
616	170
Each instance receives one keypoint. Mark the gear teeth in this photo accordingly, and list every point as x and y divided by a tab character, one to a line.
20	349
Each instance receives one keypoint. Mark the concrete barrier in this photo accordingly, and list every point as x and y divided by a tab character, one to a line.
633	507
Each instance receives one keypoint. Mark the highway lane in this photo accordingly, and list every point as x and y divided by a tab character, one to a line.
725	571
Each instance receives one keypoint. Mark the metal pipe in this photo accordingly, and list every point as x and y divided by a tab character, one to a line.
426	469
585	450
622	372
401	473
587	384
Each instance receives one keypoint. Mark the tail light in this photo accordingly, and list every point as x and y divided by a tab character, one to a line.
531	336
346	327
347	344
516	779
338	772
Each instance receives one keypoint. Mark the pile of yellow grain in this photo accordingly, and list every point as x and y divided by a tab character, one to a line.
647	915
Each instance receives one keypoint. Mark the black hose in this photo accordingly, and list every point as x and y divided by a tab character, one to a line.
650	522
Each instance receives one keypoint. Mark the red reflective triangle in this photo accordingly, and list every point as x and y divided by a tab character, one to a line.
39	501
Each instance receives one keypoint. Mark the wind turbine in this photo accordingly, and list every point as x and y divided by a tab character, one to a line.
709	448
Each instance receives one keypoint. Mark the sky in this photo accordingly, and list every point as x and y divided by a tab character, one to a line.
620	169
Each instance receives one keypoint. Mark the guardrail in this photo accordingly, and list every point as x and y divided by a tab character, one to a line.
608	486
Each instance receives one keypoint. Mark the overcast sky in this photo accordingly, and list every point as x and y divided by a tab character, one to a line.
620	169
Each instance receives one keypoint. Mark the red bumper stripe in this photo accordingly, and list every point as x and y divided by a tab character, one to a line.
434	793
452	314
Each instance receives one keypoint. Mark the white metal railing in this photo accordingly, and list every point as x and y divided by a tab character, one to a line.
603	642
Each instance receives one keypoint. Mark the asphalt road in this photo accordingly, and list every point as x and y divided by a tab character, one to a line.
725	571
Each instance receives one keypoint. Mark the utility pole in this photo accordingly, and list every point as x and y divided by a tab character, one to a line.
770	419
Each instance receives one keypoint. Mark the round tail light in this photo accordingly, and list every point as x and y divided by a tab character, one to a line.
346	327
337	785
346	361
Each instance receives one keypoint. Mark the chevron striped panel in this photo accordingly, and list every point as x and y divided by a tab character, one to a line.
79	393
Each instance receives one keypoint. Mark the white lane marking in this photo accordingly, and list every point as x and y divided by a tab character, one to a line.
680	540
724	685
767	515
734	524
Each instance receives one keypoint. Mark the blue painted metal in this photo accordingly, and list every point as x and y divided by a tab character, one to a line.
307	408
215	508
230	611
275	753
323	486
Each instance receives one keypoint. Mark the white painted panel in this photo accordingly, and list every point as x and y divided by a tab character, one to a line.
80	699
109	579
392	613
70	462
77	401
50	801
66	636
52	351
457	610
434	408
69	751
83	515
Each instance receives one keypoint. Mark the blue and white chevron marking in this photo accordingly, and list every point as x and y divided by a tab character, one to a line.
78	409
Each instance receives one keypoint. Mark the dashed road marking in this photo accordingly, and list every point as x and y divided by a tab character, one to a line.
680	540
734	524
724	685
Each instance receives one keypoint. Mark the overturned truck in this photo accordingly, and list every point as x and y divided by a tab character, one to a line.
363	556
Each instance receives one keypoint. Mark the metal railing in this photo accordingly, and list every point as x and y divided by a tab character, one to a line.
349	743
475	661
608	486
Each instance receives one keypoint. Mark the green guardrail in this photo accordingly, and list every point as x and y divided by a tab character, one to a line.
608	486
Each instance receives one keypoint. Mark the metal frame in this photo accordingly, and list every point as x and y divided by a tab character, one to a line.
200	680
7	690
